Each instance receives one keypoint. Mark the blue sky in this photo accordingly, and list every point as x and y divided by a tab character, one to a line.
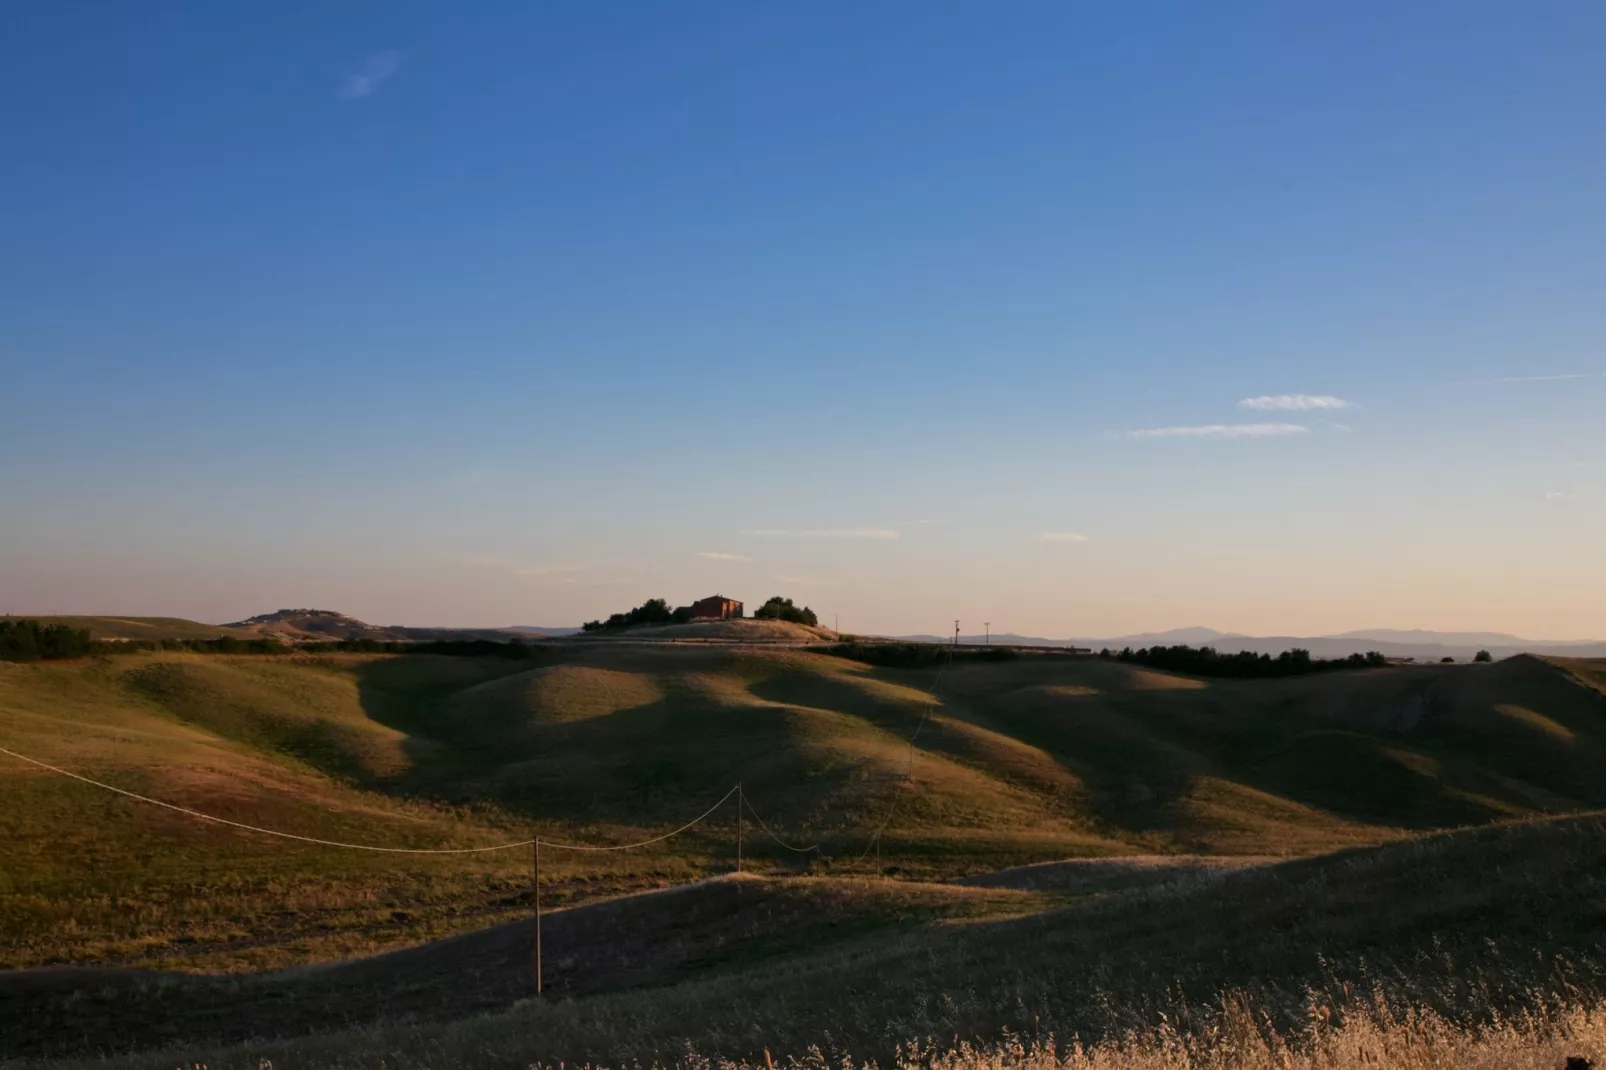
526	312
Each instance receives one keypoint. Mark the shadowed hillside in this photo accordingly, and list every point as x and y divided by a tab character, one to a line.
1469	925
1016	762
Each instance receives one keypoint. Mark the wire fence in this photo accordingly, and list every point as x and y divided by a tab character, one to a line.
744	806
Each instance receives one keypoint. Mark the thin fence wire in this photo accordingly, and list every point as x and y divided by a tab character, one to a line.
800	850
641	843
266	831
558	844
931	702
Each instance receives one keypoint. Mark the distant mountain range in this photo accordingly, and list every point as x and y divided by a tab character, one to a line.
309	624
1395	643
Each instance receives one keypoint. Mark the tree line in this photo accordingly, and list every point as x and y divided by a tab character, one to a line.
1208	661
917	655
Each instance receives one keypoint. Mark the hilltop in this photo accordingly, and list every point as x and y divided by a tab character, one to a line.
304	625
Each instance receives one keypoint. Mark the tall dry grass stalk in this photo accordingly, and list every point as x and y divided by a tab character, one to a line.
1375	1036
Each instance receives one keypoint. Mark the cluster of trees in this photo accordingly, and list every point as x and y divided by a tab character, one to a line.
28	640
1208	661
778	608
652	611
657	611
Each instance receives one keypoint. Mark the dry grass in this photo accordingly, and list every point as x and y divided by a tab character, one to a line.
1232	1035
1372	1036
1475	930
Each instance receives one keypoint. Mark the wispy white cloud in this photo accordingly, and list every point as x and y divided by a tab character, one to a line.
373	73
1531	379
805	581
1293	402
1559	495
822	533
1336	426
1061	536
714	555
1220	431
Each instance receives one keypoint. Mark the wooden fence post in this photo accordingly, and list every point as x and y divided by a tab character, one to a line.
535	851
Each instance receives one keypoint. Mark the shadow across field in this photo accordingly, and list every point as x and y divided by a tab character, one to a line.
649	939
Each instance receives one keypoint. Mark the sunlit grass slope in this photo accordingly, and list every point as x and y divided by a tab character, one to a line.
1014	762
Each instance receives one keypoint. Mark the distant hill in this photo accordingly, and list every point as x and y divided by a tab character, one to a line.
302	625
529	629
137	628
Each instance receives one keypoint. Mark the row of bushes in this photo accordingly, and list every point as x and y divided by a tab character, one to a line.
1208	661
917	655
28	640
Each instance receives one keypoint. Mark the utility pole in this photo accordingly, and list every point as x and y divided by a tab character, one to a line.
956	633
989	626
739	800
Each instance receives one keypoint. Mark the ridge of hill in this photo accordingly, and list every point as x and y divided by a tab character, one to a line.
302	625
146	629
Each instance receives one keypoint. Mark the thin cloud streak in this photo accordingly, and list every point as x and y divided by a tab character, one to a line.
1220	431
714	555
1531	379
373	73
821	533
1061	536
1293	402
548	570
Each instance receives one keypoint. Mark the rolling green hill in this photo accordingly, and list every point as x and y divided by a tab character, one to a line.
1016	762
146	628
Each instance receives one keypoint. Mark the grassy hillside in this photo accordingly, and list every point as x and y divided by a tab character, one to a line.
727	923
1018	762
1474	926
147	628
